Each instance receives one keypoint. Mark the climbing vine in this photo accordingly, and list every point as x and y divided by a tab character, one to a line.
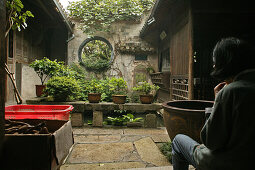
98	15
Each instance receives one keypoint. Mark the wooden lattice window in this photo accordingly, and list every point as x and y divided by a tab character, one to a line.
180	90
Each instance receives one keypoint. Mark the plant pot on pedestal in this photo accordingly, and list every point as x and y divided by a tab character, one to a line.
94	97
146	99
119	99
39	90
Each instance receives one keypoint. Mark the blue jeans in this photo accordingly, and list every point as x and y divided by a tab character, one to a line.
182	152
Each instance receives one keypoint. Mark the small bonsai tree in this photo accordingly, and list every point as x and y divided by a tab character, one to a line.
118	86
145	88
45	68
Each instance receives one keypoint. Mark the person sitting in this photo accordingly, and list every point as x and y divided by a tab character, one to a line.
229	132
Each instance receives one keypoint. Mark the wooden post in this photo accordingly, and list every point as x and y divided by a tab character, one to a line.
191	62
2	71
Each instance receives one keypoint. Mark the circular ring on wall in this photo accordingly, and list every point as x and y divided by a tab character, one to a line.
95	38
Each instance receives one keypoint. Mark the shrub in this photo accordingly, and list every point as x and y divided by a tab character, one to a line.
63	88
145	88
118	86
44	68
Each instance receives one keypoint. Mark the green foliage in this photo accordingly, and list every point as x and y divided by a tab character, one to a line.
44	68
131	118
62	88
166	149
94	86
98	15
106	92
145	88
122	120
16	17
118	86
96	56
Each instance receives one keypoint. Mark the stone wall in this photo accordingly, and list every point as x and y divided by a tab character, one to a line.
122	34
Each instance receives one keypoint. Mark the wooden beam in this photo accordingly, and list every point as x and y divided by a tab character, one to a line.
2	71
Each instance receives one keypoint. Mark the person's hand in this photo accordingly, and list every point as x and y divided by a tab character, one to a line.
219	87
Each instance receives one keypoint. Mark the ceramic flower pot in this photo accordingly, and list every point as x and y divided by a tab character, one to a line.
146	99
119	99
94	97
39	90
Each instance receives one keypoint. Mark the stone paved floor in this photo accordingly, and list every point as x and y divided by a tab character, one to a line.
117	148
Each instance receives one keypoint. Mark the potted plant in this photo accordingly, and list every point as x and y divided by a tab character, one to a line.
118	86
94	88
63	88
44	68
145	89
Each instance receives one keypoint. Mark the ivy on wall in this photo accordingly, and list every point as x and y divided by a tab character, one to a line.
98	15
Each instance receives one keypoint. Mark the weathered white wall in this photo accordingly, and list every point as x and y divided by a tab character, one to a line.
29	80
123	64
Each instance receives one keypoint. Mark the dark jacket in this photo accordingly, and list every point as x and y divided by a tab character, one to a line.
228	136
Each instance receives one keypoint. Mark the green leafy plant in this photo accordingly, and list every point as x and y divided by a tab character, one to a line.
94	86
166	149
122	120
98	15
131	118
16	17
116	121
45	68
118	86
145	88
63	88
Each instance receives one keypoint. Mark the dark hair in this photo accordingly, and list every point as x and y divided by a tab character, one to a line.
231	56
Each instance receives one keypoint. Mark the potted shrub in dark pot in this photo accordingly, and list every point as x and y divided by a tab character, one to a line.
94	89
118	86
63	88
146	89
44	68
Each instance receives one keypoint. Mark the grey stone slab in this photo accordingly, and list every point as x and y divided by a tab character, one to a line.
149	152
147	131
95	153
97	118
96	138
77	119
103	166
151	121
78	106
160	138
97	131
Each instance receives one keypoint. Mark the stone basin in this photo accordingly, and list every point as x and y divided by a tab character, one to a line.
185	117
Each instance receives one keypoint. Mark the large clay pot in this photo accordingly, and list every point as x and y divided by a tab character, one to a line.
39	90
94	97
119	99
185	117
146	99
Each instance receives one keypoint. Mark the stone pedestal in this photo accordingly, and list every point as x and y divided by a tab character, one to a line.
151	121
77	119
97	118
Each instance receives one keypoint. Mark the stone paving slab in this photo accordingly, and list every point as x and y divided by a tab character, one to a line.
159	168
105	152
103	166
96	138
150	153
145	131
98	131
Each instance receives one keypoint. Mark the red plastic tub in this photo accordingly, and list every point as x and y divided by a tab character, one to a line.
50	112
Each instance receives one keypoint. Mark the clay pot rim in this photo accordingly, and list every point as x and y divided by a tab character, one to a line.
144	95
167	107
119	95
